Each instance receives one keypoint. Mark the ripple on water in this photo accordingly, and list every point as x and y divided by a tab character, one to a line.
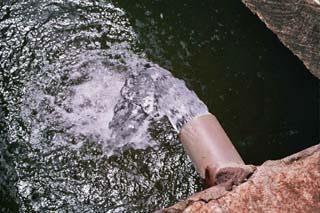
67	71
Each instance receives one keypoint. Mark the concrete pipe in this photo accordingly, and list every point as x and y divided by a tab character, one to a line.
208	145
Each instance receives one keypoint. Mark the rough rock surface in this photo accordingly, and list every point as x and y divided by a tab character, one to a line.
296	23
288	185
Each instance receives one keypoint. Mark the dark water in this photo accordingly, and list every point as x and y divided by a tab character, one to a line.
263	95
266	99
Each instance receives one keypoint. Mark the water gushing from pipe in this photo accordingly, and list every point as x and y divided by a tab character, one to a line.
111	97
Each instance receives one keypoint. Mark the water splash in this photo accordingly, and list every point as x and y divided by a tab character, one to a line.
111	97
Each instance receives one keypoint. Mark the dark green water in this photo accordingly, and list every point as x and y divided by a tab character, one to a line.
263	95
266	99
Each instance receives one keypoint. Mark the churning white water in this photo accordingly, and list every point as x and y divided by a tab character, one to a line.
99	90
110	97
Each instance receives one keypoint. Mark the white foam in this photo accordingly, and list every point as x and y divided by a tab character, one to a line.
111	100
91	106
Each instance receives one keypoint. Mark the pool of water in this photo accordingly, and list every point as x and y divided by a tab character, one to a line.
264	97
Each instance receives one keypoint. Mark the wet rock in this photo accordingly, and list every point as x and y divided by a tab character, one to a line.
288	185
297	25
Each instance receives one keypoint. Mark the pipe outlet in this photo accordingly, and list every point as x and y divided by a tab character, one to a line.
207	144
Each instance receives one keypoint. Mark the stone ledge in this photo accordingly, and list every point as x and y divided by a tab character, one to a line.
291	184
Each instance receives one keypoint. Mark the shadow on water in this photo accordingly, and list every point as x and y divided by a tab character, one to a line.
263	95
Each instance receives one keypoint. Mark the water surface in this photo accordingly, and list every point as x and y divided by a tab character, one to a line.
64	63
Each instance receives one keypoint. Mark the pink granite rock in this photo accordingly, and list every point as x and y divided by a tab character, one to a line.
288	185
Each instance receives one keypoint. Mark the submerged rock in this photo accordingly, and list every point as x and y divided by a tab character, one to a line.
291	184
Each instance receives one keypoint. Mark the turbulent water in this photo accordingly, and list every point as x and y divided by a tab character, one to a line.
85	117
110	97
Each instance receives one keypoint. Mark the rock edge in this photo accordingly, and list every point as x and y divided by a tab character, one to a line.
297	25
291	184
